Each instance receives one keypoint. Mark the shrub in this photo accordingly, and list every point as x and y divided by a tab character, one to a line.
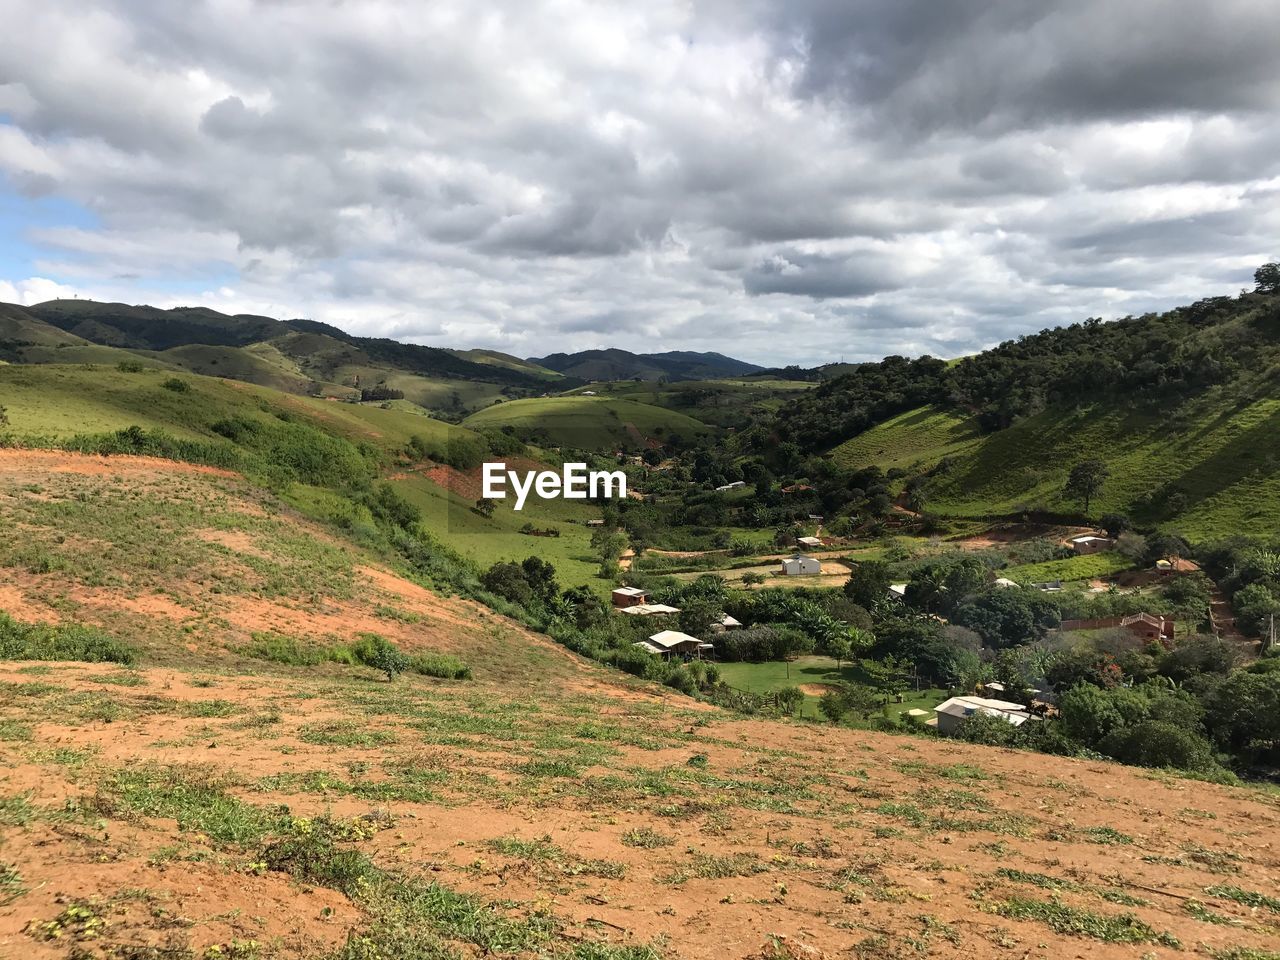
1156	743
440	665
991	731
20	641
177	385
381	654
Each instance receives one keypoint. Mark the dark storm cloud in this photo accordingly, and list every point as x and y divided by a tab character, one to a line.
1007	62
872	176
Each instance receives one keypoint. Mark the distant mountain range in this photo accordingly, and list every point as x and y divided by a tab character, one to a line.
624	365
309	357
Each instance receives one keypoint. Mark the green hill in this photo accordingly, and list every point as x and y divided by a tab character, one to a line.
614	364
300	356
587	423
725	402
1183	408
499	359
71	405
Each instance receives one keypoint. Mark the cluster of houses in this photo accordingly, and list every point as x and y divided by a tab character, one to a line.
635	602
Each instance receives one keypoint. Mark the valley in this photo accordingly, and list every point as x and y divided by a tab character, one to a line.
282	683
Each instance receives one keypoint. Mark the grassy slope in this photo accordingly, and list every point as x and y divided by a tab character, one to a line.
1219	453
62	401
236	363
722	402
17	325
495	358
343	365
918	437
587	422
486	541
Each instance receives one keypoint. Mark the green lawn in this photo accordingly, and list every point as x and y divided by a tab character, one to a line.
588	423
776	674
486	541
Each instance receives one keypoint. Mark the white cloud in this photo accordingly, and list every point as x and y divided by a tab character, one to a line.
783	181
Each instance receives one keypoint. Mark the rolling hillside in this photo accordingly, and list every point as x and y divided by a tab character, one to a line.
723	402
80	406
1183	408
616	364
300	356
587	423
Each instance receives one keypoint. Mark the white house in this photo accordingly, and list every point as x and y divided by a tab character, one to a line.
726	623
801	566
736	485
1089	543
588	393
953	712
673	641
810	542
897	591
1005	582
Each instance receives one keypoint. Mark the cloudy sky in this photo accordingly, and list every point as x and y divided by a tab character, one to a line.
781	180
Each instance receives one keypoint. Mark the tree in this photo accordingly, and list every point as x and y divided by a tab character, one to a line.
839	647
891	676
696	617
1255	606
868	584
1243	713
849	699
1267	278
1155	743
790	699
508	581
485	506
381	654
1085	481
541	577
751	578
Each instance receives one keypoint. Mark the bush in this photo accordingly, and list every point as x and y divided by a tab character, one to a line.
381	654
991	731
440	665
40	641
129	366
177	385
1155	743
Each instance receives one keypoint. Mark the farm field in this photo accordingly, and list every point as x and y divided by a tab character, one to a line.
834	574
587	423
1070	569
